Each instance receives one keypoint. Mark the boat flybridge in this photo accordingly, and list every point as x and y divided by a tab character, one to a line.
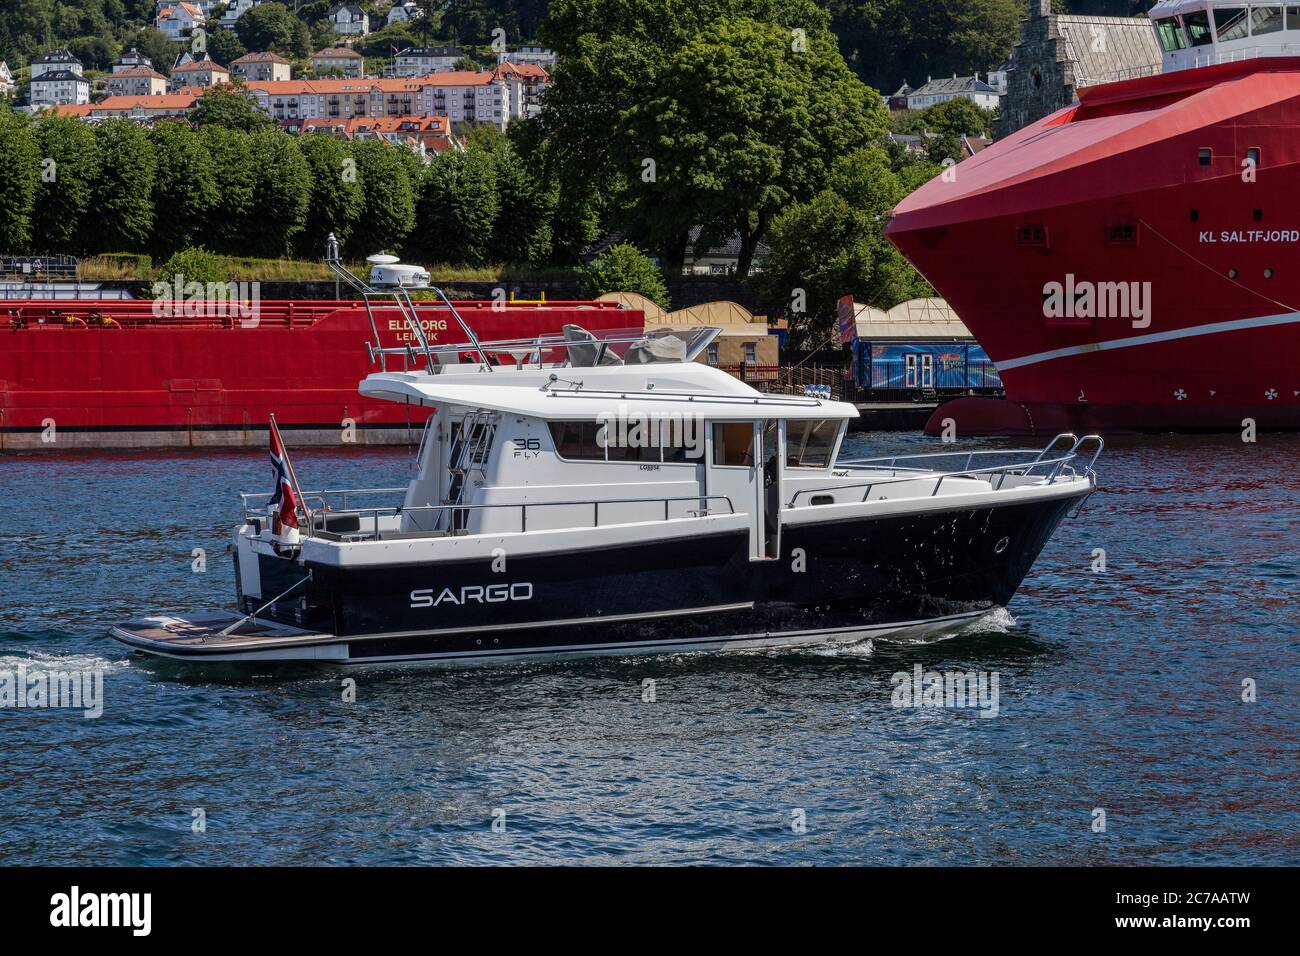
606	494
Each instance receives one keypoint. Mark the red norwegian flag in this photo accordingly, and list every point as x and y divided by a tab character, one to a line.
283	496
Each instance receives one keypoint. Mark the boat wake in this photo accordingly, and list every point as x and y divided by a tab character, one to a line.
997	621
61	663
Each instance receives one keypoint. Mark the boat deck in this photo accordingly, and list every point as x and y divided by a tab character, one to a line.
203	633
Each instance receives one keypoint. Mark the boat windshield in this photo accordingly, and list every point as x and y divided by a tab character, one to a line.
1171	35
1197	25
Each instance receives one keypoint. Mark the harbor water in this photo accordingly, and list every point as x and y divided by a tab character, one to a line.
1147	707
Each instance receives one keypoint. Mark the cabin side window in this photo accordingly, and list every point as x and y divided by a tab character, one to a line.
808	444
577	441
1230	23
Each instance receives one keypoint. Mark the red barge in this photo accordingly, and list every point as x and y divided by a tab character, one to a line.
1129	262
80	374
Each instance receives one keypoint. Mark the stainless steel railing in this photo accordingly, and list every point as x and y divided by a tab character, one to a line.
1020	468
374	514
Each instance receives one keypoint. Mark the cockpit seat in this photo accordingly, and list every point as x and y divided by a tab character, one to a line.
659	346
585	350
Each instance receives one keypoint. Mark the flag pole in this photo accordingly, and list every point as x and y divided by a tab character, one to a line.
293	475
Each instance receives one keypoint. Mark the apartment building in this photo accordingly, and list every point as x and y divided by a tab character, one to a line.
338	61
57	87
198	73
57	60
261	67
136	81
421	62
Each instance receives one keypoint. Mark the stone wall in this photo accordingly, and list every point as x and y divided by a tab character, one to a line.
1057	55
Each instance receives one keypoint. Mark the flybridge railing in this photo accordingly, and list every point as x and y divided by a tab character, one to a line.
401	296
1025	466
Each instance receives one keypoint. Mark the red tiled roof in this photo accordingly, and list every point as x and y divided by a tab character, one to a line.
175	101
334	53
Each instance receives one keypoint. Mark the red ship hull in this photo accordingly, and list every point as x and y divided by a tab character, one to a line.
112	374
1123	262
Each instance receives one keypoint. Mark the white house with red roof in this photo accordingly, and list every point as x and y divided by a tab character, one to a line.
179	20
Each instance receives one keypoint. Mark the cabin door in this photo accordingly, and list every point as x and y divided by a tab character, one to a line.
735	463
909	370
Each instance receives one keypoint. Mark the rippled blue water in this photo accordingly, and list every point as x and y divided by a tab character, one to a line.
1120	691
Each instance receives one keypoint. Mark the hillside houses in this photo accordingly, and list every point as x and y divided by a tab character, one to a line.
136	81
6	80
944	89
177	22
131	59
496	97
420	62
56	61
424	135
340	61
348	20
437	101
260	67
407	12
201	73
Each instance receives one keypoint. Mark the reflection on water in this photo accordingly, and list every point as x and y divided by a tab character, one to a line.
1119	690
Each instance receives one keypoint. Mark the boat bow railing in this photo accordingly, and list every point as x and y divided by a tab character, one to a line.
1025	466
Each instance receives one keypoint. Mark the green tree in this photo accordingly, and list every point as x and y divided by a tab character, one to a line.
155	45
281	192
833	245
234	218
890	41
458	208
613	60
123	197
623	268
193	264
742	126
522	232
337	199
61	218
185	194
388	215
20	159
959	117
526	205
224	46
228	105
270	26
94	52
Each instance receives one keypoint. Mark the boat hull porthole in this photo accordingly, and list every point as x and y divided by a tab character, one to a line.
1001	545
